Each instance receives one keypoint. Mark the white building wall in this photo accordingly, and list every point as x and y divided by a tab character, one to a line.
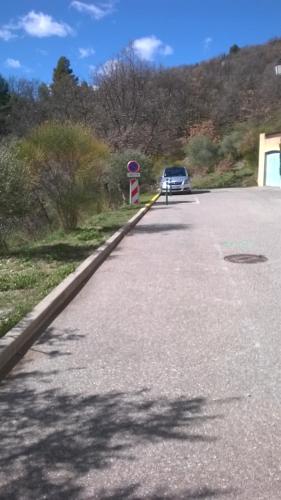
268	142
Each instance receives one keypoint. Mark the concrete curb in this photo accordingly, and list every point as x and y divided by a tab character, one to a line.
18	340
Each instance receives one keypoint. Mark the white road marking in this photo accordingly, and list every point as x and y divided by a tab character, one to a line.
197	200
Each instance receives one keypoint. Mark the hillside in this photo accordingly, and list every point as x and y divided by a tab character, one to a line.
234	87
131	104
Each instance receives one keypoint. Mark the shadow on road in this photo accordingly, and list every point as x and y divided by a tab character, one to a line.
41	344
194	191
172	202
200	191
56	338
159	228
131	493
52	438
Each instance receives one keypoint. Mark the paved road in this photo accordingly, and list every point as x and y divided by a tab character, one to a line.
162	379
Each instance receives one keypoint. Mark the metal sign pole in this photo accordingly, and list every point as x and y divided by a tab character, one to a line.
280	161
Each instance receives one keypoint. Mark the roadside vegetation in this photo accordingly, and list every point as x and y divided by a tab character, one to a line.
30	269
218	160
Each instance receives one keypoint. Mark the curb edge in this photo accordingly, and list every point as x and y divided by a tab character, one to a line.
16	342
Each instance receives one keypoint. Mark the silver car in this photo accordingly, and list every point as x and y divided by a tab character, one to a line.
175	180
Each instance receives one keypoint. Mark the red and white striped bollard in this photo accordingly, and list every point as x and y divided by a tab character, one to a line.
134	192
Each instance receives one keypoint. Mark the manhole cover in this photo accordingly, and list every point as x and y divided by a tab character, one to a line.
245	258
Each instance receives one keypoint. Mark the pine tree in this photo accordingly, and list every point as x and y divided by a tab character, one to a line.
234	49
63	71
4	104
4	92
64	91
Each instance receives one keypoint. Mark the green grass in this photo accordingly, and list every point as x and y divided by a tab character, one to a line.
28	272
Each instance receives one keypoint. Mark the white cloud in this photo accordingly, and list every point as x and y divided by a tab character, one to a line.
96	11
13	63
108	67
149	47
42	25
42	52
207	42
6	34
83	53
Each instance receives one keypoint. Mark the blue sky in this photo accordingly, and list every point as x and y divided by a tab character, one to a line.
35	33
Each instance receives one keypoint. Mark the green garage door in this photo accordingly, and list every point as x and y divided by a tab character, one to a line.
272	169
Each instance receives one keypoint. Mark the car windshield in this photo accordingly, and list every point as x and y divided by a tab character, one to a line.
175	172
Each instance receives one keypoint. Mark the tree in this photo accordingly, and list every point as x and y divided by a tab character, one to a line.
234	49
230	146
202	152
14	190
24	112
65	162
63	71
134	105
63	102
4	92
4	104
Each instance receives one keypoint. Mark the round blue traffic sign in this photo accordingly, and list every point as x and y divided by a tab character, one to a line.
133	166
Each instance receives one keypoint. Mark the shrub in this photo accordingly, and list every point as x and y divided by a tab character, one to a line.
230	146
14	190
250	147
65	162
202	152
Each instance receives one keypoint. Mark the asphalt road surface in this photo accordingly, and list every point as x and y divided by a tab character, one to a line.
162	379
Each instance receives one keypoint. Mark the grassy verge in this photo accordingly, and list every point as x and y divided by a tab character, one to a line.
29	272
245	177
